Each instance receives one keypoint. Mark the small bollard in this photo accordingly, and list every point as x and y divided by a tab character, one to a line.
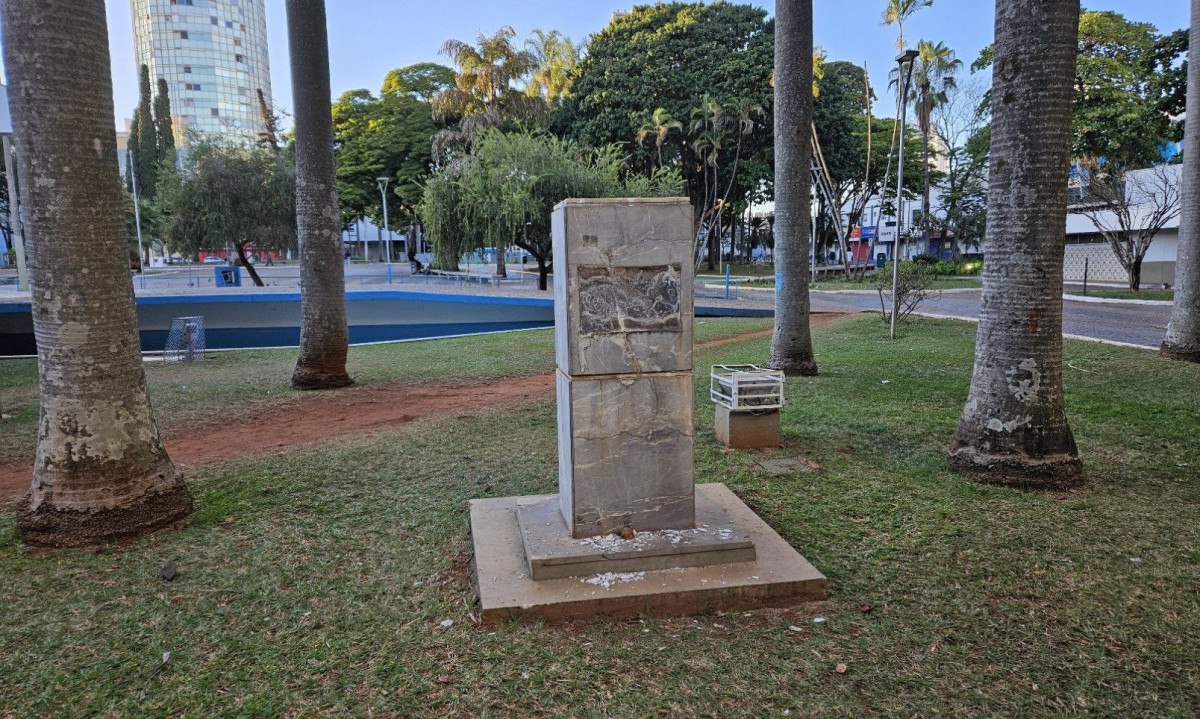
748	400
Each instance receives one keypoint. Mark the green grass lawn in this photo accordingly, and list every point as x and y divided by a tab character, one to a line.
313	583
1167	295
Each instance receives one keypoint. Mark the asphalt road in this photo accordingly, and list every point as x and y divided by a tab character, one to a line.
1136	324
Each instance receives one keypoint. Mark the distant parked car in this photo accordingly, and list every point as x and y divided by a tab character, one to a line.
211	260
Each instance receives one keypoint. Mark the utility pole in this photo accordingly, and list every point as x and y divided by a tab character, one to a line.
137	221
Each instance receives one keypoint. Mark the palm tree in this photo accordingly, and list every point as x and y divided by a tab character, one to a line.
897	12
1183	332
1014	427
557	59
101	472
659	126
324	337
483	94
933	75
791	345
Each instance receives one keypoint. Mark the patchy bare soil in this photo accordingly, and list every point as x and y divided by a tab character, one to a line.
315	418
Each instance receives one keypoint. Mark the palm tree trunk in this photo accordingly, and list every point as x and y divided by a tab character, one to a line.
1183	332
791	345
1014	427
324	337
101	472
501	267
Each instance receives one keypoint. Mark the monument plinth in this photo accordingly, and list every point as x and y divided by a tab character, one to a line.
628	510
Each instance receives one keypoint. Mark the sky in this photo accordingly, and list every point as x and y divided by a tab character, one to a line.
370	37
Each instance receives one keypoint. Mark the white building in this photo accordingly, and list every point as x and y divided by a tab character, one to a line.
1088	251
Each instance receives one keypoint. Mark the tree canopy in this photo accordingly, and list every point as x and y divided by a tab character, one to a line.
502	194
386	136
228	195
680	58
1127	86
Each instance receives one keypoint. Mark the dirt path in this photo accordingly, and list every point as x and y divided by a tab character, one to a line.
326	416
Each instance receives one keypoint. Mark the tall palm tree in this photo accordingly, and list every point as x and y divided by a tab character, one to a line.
483	94
791	345
897	12
1014	427
557	59
101	472
324	337
934	73
1183	332
659	126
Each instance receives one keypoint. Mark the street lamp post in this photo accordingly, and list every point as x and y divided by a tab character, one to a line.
137	223
905	59
383	185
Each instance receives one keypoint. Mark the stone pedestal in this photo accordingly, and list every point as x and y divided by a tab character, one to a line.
623	331
747	430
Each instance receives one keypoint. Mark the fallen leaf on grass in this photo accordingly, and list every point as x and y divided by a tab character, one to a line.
445	679
842	669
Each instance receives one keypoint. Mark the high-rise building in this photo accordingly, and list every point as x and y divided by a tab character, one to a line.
213	55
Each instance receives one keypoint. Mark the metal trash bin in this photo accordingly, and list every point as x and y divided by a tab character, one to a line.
228	276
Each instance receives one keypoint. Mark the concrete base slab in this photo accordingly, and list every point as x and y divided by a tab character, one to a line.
779	576
551	552
747	430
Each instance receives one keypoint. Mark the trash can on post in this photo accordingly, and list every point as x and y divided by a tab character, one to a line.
228	276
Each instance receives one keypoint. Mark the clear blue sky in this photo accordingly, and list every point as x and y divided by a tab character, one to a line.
370	37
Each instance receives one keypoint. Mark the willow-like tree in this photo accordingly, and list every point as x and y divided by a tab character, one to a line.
1014	427
101	472
791	345
324	337
1183	331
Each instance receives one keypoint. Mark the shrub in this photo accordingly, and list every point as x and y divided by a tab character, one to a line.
913	286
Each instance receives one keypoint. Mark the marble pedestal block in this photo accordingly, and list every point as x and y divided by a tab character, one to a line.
625	447
623	335
747	430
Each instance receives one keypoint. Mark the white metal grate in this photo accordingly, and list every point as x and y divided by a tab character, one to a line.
746	388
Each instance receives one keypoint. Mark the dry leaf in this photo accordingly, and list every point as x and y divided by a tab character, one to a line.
842	669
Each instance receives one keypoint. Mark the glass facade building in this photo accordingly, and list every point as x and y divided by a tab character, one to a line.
213	55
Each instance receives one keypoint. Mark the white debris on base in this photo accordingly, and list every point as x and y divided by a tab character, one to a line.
616	543
608	579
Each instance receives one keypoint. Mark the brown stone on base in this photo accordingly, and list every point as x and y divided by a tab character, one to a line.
551	552
778	577
747	430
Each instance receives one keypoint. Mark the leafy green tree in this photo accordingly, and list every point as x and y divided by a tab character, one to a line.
386	136
672	56
164	129
504	192
424	81
1122	95
229	195
146	147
